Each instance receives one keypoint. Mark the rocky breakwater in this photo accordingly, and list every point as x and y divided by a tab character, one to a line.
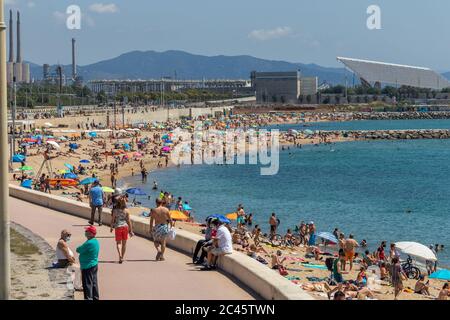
399	134
410	115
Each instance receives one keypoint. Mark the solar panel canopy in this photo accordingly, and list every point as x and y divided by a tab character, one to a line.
395	74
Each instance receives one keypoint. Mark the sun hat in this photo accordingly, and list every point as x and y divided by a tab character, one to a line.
118	192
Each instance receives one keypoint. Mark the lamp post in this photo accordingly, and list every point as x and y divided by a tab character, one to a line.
5	276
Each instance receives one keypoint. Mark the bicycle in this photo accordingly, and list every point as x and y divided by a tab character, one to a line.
410	270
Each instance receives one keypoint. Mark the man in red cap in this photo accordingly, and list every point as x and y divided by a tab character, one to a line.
88	252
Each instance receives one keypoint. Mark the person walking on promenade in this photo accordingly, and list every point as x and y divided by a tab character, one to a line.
88	252
121	223
160	223
96	201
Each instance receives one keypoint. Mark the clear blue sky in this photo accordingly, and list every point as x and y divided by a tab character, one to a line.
413	32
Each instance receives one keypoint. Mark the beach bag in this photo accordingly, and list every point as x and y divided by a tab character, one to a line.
172	234
282	271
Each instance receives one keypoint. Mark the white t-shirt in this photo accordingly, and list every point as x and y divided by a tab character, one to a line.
224	239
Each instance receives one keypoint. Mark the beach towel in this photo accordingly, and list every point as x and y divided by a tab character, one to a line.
316	279
315	266
292	278
259	259
295	270
295	259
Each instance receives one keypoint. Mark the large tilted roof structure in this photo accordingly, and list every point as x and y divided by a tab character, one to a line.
398	75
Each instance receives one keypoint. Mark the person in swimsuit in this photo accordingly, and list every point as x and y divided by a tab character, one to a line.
444	293
160	223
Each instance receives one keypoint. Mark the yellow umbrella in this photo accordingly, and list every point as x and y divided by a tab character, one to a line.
63	171
107	189
232	216
178	215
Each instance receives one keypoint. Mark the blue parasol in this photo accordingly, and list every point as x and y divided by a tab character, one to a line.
27	184
93	134
85	161
327	236
19	158
221	218
136	192
69	166
70	176
89	180
442	274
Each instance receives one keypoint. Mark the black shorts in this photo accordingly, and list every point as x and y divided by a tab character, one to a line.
273	228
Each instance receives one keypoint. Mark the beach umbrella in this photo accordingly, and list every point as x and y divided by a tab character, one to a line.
27	184
442	274
62	171
54	144
69	166
107	189
417	250
136	192
178	215
70	175
232	216
62	138
187	207
166	149
85	161
19	158
89	180
328	236
73	146
220	217
93	134
26	168
309	132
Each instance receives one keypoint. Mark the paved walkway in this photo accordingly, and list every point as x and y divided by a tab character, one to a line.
139	277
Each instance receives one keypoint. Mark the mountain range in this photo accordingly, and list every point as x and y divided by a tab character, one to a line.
183	65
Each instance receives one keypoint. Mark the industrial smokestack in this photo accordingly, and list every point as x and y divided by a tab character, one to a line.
74	62
11	37
19	50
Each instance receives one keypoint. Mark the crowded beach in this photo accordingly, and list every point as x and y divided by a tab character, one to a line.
88	161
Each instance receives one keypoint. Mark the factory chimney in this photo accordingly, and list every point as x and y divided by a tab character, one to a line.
74	62
19	50
11	37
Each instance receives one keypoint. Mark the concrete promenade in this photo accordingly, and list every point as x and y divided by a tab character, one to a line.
139	277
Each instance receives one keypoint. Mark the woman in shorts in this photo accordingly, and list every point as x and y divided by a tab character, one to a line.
122	225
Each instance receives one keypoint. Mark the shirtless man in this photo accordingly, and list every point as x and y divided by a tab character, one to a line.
350	245
273	225
160	223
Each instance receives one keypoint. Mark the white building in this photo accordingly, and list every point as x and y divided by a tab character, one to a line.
378	73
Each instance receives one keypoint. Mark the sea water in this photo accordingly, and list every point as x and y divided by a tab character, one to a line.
376	190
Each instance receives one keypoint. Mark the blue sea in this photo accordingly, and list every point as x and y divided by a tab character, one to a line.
377	190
